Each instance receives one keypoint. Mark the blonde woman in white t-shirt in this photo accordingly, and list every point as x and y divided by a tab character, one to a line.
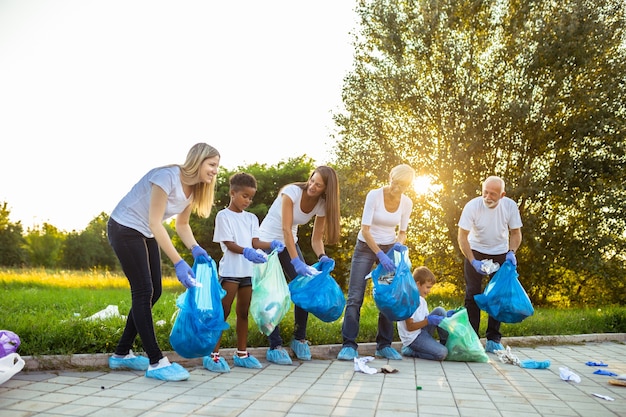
386	210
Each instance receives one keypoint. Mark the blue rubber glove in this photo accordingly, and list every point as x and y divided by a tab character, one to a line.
324	259
385	261
399	247
277	245
478	266
198	252
253	256
510	256
300	267
434	319
450	313
185	274
605	372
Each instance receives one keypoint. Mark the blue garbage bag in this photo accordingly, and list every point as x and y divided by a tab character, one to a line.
199	322
504	298
396	294
319	294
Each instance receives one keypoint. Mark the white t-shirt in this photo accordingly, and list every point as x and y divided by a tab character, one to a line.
489	227
240	228
133	210
381	222
420	314
272	227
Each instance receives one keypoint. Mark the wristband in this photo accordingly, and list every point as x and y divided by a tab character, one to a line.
193	246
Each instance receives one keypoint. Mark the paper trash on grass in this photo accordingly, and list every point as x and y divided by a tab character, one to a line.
107	313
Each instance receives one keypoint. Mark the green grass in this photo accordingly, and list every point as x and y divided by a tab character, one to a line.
47	310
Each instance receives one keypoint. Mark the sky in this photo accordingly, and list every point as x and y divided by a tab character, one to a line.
93	94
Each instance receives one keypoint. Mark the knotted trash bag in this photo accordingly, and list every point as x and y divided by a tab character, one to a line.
504	297
199	321
319	294
9	342
396	294
463	344
270	294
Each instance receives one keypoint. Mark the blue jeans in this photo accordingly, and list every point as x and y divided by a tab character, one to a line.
363	259
473	286
301	316
425	346
140	258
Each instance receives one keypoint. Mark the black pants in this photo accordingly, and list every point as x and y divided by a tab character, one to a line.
473	286
140	258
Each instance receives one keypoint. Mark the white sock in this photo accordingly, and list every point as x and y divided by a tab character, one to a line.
160	364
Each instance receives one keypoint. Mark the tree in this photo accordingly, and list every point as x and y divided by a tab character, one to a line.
12	242
532	91
89	248
44	246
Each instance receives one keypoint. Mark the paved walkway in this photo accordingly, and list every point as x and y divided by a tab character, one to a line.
328	387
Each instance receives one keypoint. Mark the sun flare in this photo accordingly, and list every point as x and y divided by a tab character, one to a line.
423	184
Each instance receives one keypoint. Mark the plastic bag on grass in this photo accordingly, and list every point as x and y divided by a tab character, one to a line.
397	296
270	294
504	297
463	344
9	342
199	321
320	294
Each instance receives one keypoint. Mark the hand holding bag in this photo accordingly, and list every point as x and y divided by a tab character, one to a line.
399	299
319	294
200	318
504	297
463	344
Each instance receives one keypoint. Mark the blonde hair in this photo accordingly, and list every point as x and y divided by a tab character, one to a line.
423	275
203	193
402	173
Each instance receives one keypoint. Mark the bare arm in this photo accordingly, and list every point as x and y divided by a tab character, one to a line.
515	239
287	218
317	236
413	325
464	244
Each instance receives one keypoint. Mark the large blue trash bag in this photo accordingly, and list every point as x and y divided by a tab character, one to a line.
319	294
199	321
270	294
463	344
396	294
504	297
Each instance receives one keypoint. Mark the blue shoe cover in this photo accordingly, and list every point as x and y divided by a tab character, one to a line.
389	353
247	362
278	356
347	353
532	364
301	350
492	346
215	363
172	372
136	363
407	351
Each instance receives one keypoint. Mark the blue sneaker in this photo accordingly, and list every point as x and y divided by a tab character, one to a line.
278	356
407	351
492	346
247	361
215	363
347	353
389	353
130	361
171	372
301	350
